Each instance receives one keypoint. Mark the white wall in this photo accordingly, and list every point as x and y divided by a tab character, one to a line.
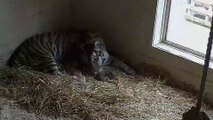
20	19
127	26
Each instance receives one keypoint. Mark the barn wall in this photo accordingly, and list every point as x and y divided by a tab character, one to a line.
20	19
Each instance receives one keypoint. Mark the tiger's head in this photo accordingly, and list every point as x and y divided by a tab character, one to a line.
98	57
99	54
97	51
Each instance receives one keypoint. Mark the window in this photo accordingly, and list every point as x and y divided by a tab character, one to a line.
182	27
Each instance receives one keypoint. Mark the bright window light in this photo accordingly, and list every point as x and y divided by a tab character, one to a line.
182	27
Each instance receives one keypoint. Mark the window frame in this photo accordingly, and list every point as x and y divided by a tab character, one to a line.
160	32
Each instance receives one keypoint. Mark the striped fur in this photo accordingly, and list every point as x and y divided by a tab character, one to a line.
51	52
47	52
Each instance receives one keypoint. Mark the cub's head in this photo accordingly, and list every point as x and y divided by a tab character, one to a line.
97	51
98	57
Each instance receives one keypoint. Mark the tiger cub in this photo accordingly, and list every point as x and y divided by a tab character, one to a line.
102	62
51	52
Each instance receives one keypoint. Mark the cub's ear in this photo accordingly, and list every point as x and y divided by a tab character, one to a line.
93	34
87	48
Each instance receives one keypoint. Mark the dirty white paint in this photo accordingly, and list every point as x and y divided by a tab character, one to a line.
127	26
20	19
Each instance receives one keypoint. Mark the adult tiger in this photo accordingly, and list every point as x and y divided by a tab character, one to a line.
51	52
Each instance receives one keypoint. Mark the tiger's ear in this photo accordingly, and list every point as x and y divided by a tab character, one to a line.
93	34
97	44
87	48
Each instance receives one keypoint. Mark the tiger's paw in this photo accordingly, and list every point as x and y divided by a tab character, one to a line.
130	71
78	76
105	75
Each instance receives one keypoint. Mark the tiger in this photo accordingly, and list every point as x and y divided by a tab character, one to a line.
51	52
102	62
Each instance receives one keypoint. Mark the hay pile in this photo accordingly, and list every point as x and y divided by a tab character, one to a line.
127	98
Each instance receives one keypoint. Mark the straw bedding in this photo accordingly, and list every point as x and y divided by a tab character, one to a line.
126	98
